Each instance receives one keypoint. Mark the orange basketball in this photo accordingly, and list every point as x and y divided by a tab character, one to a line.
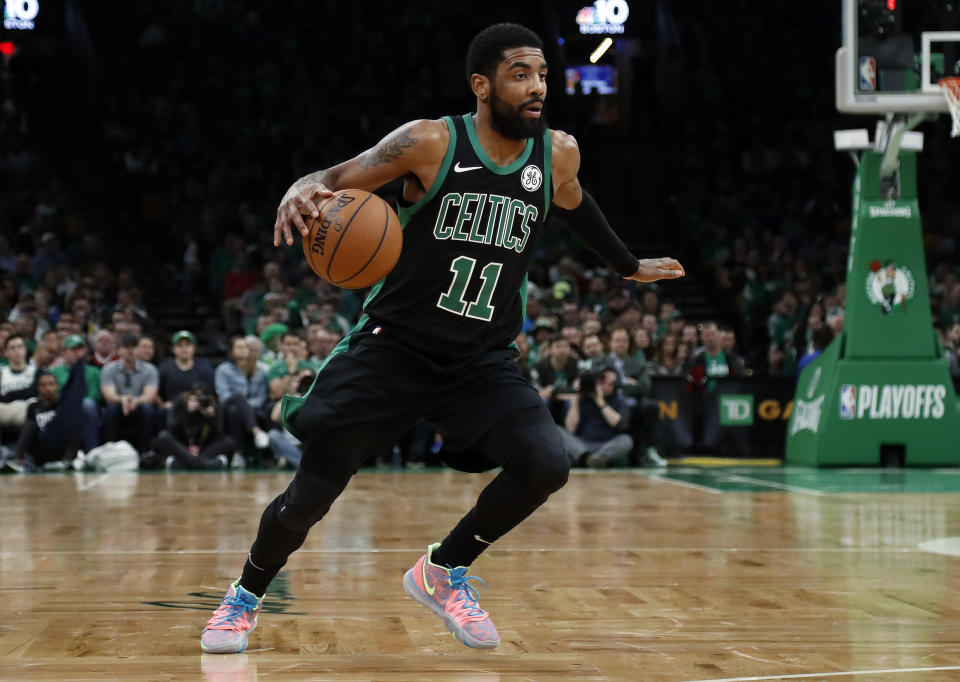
356	240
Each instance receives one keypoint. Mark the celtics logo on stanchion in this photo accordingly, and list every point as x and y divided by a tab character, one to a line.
889	285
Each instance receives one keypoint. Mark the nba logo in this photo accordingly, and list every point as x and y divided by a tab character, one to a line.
848	401
868	74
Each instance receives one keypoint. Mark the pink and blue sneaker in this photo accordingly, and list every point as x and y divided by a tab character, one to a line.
447	593
226	631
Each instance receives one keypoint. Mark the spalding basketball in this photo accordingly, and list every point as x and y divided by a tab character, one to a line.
356	240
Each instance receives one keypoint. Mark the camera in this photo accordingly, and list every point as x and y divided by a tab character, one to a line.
588	384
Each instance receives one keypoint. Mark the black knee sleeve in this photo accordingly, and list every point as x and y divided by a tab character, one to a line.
530	451
549	466
311	493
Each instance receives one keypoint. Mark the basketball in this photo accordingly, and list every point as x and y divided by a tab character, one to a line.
355	241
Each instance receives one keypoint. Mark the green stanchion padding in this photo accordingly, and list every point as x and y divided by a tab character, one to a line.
883	381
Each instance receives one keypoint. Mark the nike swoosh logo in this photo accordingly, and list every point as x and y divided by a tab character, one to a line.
480	539
463	169
426	583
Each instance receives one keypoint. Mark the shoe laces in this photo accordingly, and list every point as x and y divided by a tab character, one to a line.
228	616
466	592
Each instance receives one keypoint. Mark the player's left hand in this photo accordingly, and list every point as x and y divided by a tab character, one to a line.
652	269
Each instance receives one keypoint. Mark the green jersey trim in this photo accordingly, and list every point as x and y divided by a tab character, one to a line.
547	177
487	161
292	404
407	212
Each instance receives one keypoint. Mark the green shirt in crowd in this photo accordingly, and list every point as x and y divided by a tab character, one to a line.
90	373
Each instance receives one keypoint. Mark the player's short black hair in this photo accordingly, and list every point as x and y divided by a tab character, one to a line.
487	48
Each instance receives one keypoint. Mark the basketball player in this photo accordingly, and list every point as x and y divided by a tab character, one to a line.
434	340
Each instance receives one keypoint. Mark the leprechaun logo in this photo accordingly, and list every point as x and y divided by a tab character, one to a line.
889	285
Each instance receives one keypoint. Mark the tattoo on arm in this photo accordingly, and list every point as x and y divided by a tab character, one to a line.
320	177
389	150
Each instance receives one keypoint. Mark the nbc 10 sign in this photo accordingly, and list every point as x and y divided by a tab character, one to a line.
19	14
603	17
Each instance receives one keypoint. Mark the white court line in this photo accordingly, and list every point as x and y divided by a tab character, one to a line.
892	671
685	484
515	550
771	484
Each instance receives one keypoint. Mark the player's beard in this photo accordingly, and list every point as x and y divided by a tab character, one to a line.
510	122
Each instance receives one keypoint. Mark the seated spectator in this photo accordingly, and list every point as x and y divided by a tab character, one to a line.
575	337
652	325
822	337
544	329
643	344
633	380
49	343
594	354
54	423
255	348
104	349
129	388
320	343
523	355
631	371
593	429
74	351
728	344
183	372
194	437
554	376
147	350
242	390
18	382
291	361
711	362
667	361
271	337
284	444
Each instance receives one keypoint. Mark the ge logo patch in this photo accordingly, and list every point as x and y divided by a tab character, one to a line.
531	178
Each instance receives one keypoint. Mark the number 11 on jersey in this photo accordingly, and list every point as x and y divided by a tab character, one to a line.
462	269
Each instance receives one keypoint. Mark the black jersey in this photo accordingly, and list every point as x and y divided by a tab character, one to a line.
459	287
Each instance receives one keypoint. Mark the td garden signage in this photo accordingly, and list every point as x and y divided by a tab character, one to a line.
892	401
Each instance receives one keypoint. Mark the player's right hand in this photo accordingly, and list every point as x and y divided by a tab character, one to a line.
300	200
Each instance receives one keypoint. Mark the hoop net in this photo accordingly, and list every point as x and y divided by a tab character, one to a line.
951	90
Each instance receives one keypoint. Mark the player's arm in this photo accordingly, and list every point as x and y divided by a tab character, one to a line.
585	219
415	148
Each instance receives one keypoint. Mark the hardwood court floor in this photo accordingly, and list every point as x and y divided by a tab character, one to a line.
701	574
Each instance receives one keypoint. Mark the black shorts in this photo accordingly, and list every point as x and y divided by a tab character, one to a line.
374	390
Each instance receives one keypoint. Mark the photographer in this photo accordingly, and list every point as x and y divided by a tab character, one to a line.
595	423
194	437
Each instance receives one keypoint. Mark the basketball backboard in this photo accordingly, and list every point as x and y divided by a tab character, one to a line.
894	53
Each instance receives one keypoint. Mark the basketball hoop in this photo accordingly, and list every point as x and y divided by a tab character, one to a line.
951	90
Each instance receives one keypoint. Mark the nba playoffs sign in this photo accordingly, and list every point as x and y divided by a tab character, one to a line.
19	14
603	17
872	401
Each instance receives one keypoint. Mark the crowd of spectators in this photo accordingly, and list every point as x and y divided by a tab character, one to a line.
194	117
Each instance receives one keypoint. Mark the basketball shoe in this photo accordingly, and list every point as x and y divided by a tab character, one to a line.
226	631
446	592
